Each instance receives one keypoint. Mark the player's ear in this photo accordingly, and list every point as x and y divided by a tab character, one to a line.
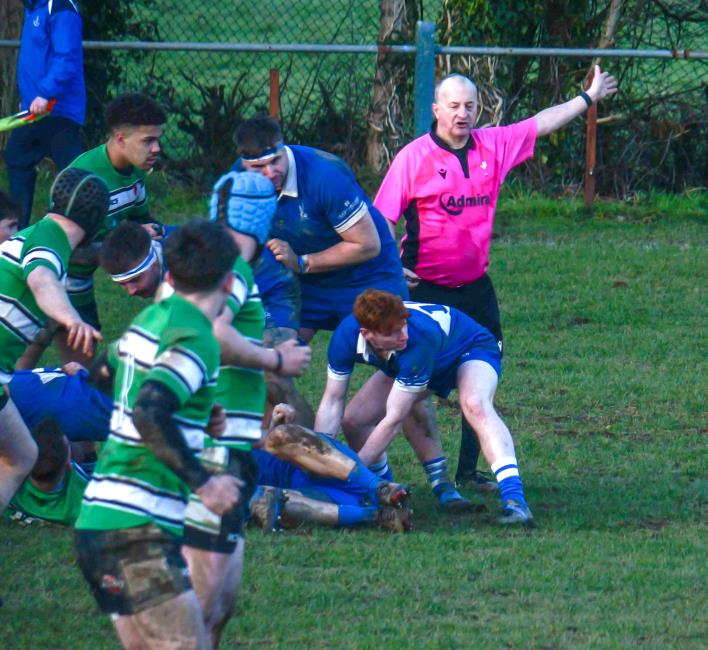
228	283
169	279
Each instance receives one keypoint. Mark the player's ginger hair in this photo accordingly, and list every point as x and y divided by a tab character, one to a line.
380	311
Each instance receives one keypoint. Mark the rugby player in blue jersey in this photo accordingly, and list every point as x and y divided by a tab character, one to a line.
325	228
419	349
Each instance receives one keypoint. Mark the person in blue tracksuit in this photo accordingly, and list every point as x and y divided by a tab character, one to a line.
50	66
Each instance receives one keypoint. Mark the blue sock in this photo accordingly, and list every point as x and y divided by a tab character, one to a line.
510	486
436	472
382	468
352	515
364	477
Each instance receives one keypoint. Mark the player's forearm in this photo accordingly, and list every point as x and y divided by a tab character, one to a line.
329	415
379	439
236	350
553	118
342	254
51	297
152	416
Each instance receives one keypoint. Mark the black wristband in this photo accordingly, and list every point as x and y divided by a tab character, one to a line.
586	98
279	365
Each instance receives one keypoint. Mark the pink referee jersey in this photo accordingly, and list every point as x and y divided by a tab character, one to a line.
448	199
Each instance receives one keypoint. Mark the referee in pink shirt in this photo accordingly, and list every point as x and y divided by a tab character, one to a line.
445	185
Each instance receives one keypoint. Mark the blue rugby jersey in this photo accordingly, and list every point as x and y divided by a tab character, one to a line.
438	338
82	411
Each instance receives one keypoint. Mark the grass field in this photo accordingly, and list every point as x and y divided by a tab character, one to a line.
604	388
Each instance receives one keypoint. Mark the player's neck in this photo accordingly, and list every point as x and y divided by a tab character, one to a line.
116	158
210	303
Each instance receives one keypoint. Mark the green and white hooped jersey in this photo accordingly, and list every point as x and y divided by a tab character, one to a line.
42	244
242	391
170	342
128	200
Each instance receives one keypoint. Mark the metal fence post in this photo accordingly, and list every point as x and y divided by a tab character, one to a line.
424	76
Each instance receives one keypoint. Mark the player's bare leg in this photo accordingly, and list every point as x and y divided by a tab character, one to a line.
295	509
18	451
477	384
210	573
173	625
368	407
282	389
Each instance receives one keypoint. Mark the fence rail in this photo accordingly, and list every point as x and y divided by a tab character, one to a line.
653	134
325	48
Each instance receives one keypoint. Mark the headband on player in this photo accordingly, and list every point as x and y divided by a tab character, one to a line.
139	269
265	154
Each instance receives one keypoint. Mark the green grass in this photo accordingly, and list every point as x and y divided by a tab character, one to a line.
604	389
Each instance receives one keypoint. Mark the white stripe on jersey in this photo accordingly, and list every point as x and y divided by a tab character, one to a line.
18	320
410	388
125	197
78	285
185	366
240	289
11	250
123	429
46	254
336	375
141	346
113	491
355	218
241	427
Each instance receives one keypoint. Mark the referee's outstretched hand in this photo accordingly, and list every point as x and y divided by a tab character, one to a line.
603	84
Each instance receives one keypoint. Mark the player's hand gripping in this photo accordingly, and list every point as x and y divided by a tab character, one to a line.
411	277
296	358
39	105
217	421
282	414
603	84
81	336
284	254
220	493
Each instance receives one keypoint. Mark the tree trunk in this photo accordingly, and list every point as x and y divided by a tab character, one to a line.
10	25
392	78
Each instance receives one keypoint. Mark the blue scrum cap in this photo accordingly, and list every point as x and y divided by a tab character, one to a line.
246	202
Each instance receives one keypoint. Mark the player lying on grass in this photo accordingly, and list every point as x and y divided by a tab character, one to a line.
306	477
133	512
32	271
338	489
53	490
418	349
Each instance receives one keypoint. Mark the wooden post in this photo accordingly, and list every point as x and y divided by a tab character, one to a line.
590	154
274	108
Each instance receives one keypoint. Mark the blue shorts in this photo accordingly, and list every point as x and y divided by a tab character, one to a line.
279	473
443	383
323	308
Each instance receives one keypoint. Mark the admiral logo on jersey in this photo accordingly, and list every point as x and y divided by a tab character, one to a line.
455	204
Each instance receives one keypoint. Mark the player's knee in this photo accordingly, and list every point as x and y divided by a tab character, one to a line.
280	436
352	423
477	407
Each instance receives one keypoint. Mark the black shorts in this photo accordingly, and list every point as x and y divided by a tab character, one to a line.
132	569
220	534
477	299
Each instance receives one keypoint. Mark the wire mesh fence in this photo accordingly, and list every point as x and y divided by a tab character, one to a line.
654	134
